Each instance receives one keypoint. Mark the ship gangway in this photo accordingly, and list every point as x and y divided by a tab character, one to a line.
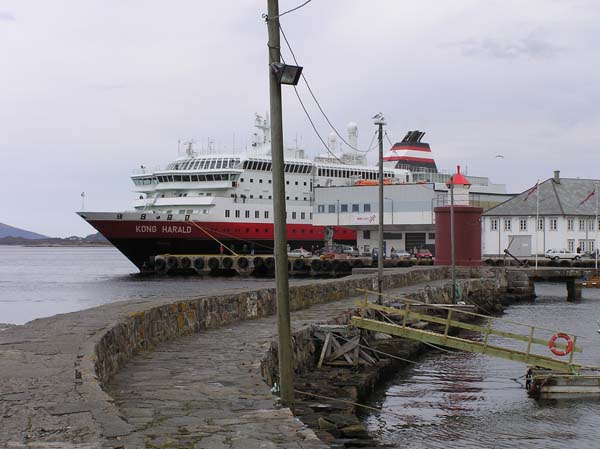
435	324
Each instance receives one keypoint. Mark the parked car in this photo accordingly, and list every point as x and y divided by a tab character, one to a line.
350	250
299	252
400	254
333	252
423	253
555	254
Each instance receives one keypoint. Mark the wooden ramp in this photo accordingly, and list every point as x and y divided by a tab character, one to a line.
406	318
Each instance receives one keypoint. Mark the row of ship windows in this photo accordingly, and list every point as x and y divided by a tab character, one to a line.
257	165
265	214
184	178
243	197
331	208
203	164
553	224
350	173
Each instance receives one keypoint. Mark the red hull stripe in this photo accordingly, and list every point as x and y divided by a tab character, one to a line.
403	147
408	158
140	229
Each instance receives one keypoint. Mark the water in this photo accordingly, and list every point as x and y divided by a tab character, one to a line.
463	400
37	282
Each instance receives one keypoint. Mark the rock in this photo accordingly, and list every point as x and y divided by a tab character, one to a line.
354	431
325	425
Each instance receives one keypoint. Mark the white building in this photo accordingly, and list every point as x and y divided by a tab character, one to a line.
409	217
559	213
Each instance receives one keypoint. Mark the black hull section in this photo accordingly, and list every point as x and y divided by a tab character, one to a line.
141	252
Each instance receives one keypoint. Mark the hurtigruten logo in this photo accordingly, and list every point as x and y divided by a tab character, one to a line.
365	219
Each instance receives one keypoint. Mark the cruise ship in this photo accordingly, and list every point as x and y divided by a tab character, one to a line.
203	202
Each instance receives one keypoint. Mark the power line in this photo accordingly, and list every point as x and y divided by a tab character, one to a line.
315	98
266	17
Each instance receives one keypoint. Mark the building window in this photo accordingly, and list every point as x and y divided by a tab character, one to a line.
310	216
540	224
494	224
331	208
367	235
293	215
507	224
523	224
570	224
582	245
237	214
227	213
590	226
256	214
302	215
592	246
260	181
266	214
571	245
343	208
321	208
366	207
247	214
582	225
431	236
553	224
355	208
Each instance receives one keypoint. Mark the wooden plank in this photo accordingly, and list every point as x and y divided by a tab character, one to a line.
464	345
344	349
367	357
414	316
335	344
324	351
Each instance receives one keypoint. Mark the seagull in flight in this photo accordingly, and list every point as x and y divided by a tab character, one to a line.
499	156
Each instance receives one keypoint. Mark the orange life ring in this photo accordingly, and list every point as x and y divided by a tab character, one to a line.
560	352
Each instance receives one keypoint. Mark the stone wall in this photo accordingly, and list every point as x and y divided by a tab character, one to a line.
147	328
484	291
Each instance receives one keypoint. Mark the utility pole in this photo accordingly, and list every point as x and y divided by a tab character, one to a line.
380	121
452	253
286	373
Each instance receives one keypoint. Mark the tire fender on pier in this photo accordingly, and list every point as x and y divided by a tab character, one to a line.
213	263
243	263
227	262
270	263
198	263
185	262
171	262
160	264
298	264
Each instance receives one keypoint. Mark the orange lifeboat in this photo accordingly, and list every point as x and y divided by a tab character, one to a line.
373	182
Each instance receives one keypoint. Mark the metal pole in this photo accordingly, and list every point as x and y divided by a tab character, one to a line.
286	373
452	254
596	227
380	226
537	219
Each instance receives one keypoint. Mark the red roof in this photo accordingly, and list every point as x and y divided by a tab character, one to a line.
458	179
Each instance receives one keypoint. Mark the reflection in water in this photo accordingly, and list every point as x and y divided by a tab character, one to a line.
462	400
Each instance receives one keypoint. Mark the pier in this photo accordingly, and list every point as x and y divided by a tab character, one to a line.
521	281
142	373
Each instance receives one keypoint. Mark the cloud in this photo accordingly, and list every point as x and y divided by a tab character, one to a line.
7	16
527	47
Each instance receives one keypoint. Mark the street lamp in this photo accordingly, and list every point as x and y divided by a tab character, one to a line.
286	74
379	120
389	199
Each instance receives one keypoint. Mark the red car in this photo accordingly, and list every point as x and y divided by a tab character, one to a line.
424	253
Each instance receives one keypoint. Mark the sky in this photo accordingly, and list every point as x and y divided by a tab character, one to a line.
90	90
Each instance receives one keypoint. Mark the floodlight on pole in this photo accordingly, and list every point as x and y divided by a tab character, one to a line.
286	74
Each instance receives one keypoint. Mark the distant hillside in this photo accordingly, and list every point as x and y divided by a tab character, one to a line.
11	231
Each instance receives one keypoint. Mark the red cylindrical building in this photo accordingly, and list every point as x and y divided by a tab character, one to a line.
467	235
